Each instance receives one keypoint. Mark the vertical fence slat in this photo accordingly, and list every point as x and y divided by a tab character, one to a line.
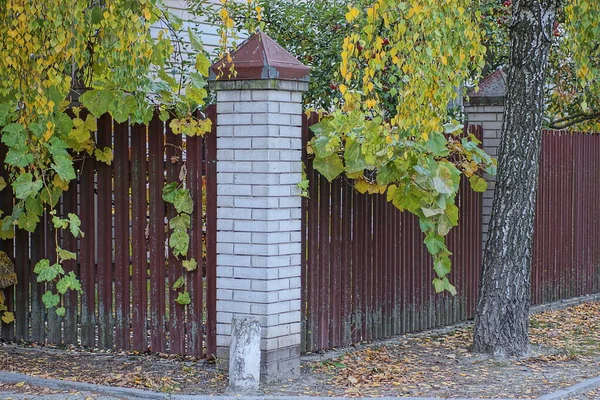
194	184
368	265
104	238
303	244
346	261
312	281
194	279
377	256
595	284
211	234
69	242
138	237
360	231
157	234
122	249
357	266
387	254
54	334
595	268
23	270
38	311
87	257
174	163
324	261
7	331
567	192
335	265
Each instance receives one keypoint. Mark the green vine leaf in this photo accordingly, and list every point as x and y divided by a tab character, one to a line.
47	272
105	155
330	167
442	266
443	284
74	224
478	184
168	193
61	311
67	282
50	299
179	243
183	201
183	299
65	255
6	113
64	168
443	181
25	186
28	221
181	222
59	223
97	101
179	283
435	243
190	265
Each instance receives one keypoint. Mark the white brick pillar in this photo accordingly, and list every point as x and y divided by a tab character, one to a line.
486	108
259	124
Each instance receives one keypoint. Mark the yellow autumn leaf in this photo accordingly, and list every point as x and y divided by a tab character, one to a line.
8	317
361	186
352	14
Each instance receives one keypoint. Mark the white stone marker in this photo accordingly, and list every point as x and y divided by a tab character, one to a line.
244	357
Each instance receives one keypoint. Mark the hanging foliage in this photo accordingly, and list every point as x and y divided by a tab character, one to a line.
103	56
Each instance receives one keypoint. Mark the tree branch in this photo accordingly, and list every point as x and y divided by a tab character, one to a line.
564	123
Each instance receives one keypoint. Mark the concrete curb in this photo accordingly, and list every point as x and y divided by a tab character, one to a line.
9	377
581	387
562	304
57	384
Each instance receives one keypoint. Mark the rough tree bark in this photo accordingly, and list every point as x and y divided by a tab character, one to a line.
501	318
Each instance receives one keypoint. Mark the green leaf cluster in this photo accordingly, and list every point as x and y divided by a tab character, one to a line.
179	197
106	58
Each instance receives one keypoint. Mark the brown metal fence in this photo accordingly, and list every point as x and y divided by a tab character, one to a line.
124	263
366	273
566	254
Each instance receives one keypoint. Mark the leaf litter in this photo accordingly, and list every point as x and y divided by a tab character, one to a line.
565	351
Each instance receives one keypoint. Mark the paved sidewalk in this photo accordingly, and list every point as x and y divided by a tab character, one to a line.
98	392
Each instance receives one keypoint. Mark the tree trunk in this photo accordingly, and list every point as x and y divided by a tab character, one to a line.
501	318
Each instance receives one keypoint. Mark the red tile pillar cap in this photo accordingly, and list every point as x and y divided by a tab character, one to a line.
260	58
492	90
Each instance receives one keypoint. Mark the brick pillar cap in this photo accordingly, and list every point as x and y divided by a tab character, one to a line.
260	58
492	90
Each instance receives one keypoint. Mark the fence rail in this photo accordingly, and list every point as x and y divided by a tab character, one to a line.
124	263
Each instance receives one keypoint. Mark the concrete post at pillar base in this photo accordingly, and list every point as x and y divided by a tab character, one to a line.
244	356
